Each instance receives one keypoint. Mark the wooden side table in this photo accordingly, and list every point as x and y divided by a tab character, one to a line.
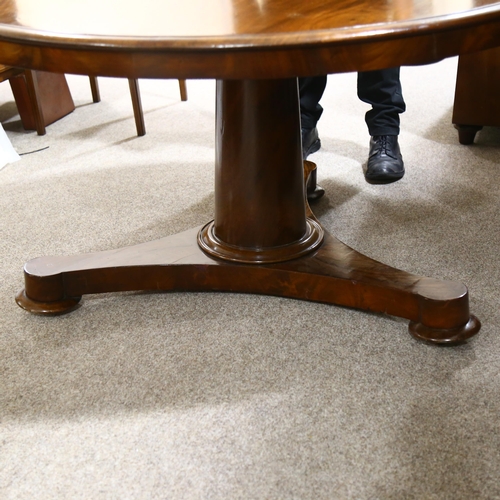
477	94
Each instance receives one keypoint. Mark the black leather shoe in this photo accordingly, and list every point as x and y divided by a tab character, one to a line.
310	142
385	163
313	191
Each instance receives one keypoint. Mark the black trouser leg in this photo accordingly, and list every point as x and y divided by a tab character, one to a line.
382	90
311	90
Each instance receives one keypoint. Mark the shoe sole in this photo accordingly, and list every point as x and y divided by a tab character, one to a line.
385	178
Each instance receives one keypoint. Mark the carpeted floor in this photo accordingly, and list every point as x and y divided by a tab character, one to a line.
225	396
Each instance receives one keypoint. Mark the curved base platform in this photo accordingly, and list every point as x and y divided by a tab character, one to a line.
333	274
264	238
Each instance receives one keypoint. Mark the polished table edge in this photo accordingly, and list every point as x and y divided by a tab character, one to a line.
281	55
389	29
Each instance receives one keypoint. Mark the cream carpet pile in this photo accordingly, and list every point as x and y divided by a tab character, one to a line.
226	396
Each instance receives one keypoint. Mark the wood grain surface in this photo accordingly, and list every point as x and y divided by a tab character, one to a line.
219	38
264	238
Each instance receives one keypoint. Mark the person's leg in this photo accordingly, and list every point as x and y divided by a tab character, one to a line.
382	90
310	92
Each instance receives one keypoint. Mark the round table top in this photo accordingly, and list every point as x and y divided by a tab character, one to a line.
240	38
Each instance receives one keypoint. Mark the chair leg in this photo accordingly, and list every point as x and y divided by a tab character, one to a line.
137	105
183	89
94	87
32	86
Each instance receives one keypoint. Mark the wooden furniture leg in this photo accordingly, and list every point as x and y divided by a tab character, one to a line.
183	90
41	98
137	105
34	95
467	133
136	100
263	239
94	88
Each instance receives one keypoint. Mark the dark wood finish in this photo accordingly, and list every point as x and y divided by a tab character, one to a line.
477	93
28	83
7	72
136	100
247	175
263	223
241	39
183	90
94	88
41	98
137	106
334	274
467	133
264	238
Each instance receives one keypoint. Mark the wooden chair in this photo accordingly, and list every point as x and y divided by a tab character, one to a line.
41	97
6	73
477	93
136	100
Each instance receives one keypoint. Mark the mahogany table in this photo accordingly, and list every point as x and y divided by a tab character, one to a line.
263	239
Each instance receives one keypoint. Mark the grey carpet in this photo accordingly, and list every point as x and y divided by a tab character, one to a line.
226	396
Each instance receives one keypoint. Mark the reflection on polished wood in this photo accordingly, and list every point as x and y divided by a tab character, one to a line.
264	238
334	274
231	39
224	18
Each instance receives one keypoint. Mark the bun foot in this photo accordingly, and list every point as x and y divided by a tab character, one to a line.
467	133
48	308
445	336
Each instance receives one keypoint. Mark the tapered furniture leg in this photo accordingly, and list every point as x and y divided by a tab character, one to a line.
136	100
264	238
137	105
94	88
183	90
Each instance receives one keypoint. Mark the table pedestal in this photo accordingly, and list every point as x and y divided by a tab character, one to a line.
264	238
